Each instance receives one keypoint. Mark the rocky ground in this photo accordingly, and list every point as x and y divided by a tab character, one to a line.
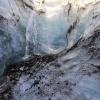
14	72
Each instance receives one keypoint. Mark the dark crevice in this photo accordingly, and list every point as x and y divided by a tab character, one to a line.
72	27
69	8
29	6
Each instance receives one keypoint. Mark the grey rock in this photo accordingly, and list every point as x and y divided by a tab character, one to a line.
4	84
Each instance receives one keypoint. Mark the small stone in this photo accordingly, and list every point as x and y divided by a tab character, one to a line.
36	82
22	68
41	11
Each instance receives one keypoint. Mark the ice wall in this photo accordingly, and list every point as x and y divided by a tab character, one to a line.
61	24
47	29
12	32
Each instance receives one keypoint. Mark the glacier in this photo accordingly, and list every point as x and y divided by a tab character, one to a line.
69	29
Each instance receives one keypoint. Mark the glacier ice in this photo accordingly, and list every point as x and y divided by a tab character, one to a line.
62	27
